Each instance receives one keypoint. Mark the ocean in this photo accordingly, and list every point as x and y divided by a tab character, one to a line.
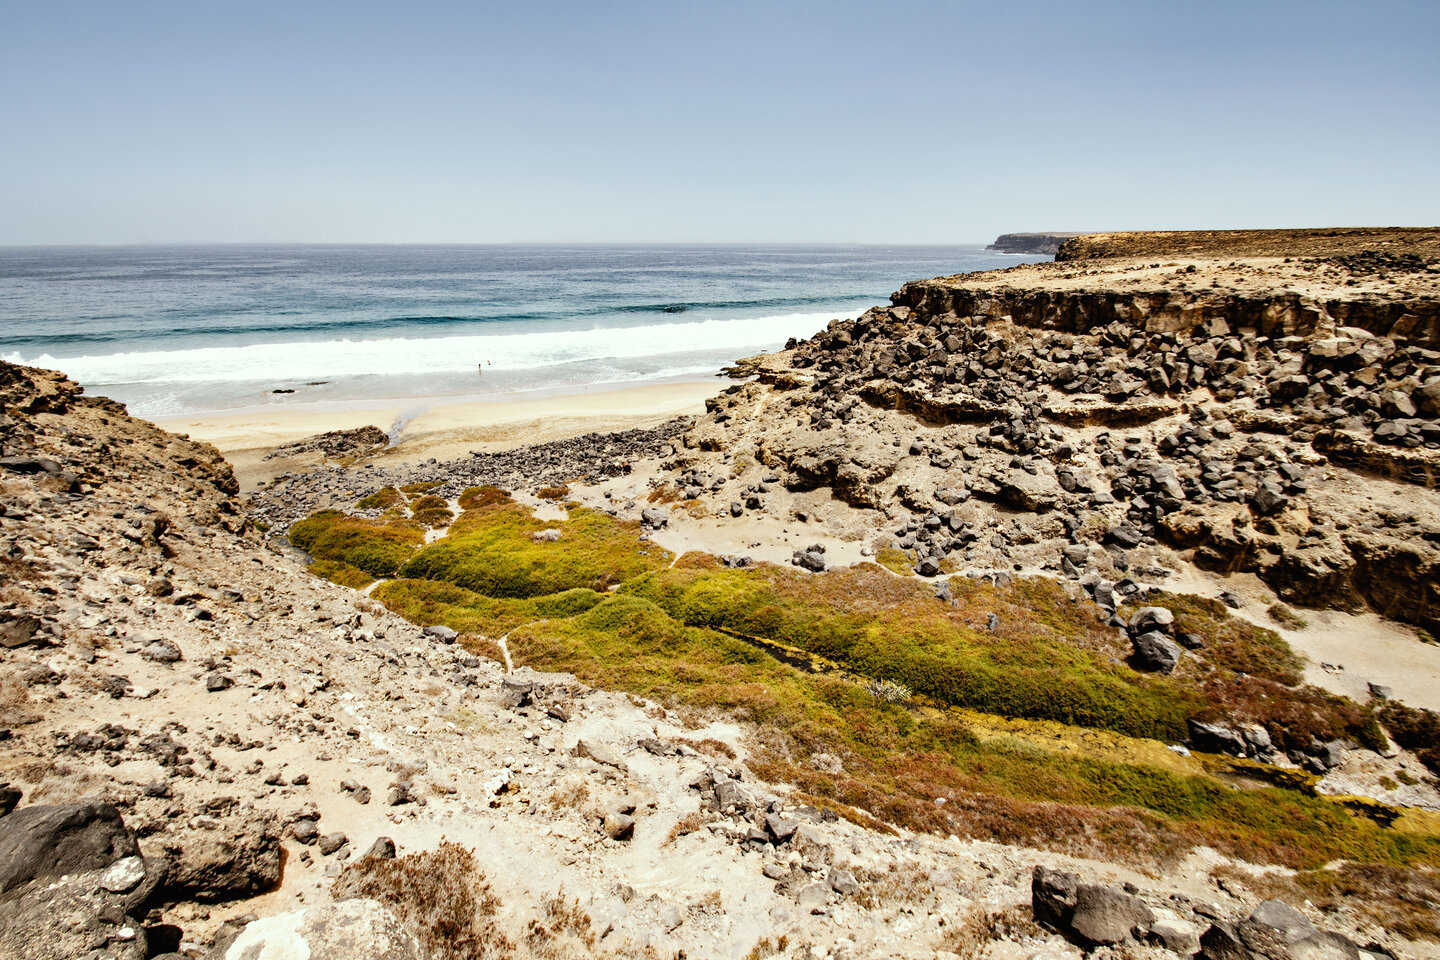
179	330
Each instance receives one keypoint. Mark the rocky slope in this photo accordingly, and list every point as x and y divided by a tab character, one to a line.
197	735
1109	416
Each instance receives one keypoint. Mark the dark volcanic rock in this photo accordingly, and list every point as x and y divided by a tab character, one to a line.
238	856
46	841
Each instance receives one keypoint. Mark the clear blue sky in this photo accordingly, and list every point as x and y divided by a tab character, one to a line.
550	120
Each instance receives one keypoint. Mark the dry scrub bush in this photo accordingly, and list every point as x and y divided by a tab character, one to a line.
710	747
968	936
665	493
768	948
14	698
900	885
440	894
14	571
1287	617
1414	729
572	796
562	931
553	493
888	691
685	825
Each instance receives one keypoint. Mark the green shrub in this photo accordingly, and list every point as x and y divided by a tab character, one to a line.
376	547
342	573
386	498
491	550
922	644
473	498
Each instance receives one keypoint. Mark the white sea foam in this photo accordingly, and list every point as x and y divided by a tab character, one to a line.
346	359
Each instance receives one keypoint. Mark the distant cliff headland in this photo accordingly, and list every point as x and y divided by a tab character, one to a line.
1041	243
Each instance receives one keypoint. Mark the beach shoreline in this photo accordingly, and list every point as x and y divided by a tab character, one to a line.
442	428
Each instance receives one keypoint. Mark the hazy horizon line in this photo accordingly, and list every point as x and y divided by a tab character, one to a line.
510	243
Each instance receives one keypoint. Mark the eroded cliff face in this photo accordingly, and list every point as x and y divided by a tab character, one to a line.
1112	417
1045	244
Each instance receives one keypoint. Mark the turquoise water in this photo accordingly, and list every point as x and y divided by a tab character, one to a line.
176	330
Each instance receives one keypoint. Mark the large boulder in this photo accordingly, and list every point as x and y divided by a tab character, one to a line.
1106	915
1216	738
229	858
358	929
1155	652
1034	493
1274	931
1148	619
1052	896
1087	913
47	841
1315	574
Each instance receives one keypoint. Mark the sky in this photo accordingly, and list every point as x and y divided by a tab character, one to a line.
838	121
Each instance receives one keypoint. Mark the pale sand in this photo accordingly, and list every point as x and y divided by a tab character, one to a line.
1345	652
440	428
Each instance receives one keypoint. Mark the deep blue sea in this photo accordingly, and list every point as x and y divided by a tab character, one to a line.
191	329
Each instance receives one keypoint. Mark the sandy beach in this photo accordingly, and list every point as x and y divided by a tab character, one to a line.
440	428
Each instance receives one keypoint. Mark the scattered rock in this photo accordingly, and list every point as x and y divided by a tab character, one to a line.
357	929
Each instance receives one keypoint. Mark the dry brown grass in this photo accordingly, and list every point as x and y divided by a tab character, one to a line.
572	796
969	936
710	747
696	509
553	493
14	698
482	646
1287	617
20	571
562	931
768	948
13	594
1401	899
440	894
665	493
685	825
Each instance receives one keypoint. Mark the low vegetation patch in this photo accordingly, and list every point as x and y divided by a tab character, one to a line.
376	547
1249	675
588	596
1287	617
884	627
431	511
1414	729
386	498
427	601
896	763
473	498
492	549
1401	899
